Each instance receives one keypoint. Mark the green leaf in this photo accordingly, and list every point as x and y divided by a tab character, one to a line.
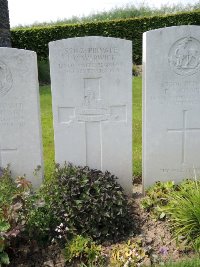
2	244
4	226
4	258
78	202
162	215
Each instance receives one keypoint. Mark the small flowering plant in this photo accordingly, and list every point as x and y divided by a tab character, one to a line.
124	254
164	250
61	231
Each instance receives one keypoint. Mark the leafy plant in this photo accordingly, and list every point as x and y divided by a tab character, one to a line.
83	250
7	186
4	227
39	220
13	196
157	196
181	204
79	200
184	211
126	254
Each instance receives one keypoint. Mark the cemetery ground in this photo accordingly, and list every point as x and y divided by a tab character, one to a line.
154	241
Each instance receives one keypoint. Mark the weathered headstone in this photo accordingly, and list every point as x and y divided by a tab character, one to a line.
20	133
92	104
171	104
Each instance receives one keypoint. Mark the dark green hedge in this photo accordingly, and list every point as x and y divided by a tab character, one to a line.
37	39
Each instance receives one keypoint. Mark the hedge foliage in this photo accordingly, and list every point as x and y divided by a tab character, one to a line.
37	39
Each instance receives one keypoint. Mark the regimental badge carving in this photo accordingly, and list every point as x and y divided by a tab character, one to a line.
93	107
184	56
5	79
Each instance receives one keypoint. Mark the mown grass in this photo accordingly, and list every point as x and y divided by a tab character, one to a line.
137	128
47	127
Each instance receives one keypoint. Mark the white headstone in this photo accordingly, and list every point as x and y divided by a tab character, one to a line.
171	104
92	104
20	133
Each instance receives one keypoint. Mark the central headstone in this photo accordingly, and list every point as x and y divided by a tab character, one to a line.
171	104
20	128
92	104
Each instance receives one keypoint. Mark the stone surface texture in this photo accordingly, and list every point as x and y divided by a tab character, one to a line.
20	128
171	104
92	104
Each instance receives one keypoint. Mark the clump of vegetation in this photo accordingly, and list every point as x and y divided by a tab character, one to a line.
80	204
184	212
180	204
76	201
157	196
126	254
80	200
84	250
13	211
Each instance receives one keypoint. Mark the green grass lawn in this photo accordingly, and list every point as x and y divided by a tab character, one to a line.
47	127
137	127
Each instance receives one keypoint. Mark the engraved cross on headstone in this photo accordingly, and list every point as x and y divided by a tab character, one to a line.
183	130
93	112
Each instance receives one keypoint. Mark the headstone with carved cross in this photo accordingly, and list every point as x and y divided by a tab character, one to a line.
20	133
171	104
92	104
